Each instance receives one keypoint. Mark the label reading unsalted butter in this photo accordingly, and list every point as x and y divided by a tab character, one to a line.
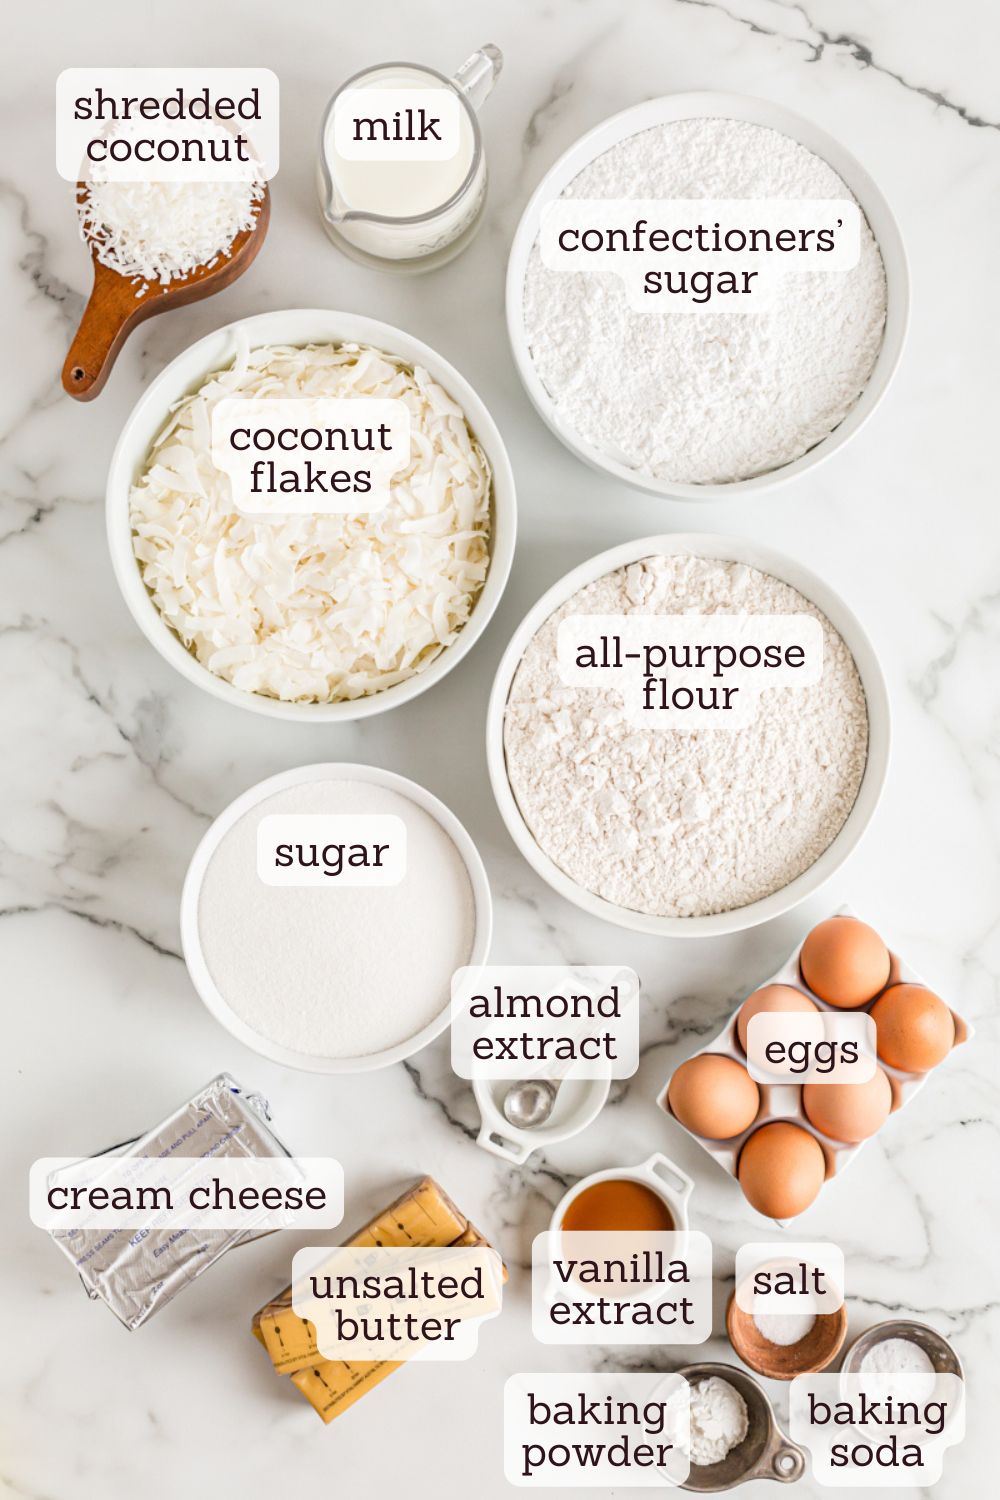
331	850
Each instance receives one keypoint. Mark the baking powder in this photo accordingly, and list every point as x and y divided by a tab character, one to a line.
719	1420
706	398
673	823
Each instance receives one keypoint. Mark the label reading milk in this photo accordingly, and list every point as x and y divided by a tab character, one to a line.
331	850
823	1047
387	124
688	672
701	255
323	455
167	124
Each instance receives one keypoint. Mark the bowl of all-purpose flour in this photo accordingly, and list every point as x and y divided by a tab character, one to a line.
700	404
348	967
311	616
687	832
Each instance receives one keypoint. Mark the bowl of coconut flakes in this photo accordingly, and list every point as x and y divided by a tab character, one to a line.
311	616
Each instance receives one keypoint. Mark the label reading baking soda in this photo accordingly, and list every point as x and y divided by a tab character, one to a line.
868	1429
167	124
331	850
322	455
544	1021
370	1302
690	671
596	1431
699	255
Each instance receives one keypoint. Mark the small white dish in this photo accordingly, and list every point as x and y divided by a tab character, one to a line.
728	549
657	1172
185	374
703	105
191	937
578	1103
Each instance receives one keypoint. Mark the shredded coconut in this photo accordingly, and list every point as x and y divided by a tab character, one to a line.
706	398
162	231
684	823
316	608
719	1420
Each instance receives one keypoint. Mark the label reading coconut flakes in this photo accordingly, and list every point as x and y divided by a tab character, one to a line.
323	455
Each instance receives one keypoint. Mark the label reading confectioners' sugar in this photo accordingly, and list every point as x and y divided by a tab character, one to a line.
693	255
324	455
690	671
523	1021
167	124
331	850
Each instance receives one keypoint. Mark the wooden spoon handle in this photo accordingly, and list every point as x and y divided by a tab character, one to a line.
107	319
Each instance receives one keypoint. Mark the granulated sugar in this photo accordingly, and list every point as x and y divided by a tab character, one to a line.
337	973
706	398
684	823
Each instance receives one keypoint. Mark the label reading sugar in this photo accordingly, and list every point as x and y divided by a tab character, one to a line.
331	850
687	672
167	124
700	255
387	124
323	455
822	1047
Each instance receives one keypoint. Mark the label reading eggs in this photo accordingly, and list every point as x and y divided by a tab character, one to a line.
331	850
701	255
319	455
693	671
823	1047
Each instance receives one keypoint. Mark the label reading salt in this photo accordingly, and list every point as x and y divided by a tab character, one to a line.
688	672
825	1047
701	255
331	850
775	1278
397	124
322	455
167	124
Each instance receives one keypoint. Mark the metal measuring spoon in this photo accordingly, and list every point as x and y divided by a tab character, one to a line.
529	1104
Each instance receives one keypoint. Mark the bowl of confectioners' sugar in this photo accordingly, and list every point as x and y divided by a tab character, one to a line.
313	616
688	831
325	911
707	401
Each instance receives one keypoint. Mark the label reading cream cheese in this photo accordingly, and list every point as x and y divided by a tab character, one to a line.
331	850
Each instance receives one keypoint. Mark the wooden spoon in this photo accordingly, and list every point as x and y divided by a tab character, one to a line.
117	305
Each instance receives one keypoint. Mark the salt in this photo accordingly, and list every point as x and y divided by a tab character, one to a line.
784	1329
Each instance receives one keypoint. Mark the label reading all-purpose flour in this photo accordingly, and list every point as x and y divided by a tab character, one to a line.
331	850
323	455
693	255
690	671
167	124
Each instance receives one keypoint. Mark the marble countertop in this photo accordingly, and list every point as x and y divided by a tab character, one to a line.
112	766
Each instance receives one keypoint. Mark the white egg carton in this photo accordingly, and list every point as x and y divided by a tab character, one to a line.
784	1101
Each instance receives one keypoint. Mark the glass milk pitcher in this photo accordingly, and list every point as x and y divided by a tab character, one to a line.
401	171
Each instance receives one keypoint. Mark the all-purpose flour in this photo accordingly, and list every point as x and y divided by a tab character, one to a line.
706	398
674	823
341	972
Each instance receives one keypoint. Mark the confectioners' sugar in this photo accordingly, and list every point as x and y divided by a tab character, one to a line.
337	973
706	398
684	823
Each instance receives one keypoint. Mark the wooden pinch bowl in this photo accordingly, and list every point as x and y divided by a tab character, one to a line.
818	1349
117	305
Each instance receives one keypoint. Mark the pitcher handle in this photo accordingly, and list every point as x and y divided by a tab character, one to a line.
478	74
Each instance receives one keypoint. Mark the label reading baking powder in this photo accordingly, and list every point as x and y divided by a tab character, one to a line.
690	671
873	1429
695	255
802	1047
323	455
167	124
393	124
331	850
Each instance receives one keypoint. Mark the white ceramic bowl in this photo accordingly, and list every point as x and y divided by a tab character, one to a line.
728	549
756	112
578	1103
657	1172
183	375
191	938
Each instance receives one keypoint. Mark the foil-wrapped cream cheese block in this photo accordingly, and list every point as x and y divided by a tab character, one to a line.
137	1271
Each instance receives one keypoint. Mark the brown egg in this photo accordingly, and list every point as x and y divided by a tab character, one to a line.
915	1028
849	1111
770	998
781	1169
845	962
713	1096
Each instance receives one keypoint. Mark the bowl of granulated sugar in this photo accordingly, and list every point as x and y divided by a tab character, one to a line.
324	913
685	343
673	817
